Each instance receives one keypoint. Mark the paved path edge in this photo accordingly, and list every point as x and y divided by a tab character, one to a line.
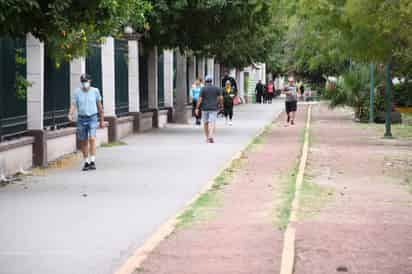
167	228
288	252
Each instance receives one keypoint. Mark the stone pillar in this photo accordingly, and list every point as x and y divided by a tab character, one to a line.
181	94
168	77
77	68
201	67
192	70
35	75
216	77
232	73
35	96
263	71
134	102
241	84
108	81
210	66
152	71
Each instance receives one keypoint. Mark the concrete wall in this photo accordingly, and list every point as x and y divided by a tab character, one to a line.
146	121
162	118
102	136
125	126
16	155
60	143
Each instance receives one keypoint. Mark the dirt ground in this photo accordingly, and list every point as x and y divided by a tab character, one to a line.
366	227
242	235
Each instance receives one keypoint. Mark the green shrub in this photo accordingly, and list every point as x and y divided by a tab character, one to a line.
353	90
402	94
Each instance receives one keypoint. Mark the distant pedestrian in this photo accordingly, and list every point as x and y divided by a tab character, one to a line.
229	95
302	91
88	103
270	89
210	100
291	103
195	93
232	80
259	91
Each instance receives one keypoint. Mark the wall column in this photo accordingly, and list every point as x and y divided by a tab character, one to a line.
35	75
201	67
152	71
168	77
241	84
108	84
210	66
108	81
134	102
35	98
181	89
216	77
192	70
77	68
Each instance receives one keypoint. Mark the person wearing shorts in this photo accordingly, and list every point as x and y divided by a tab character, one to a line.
291	103
210	100
87	101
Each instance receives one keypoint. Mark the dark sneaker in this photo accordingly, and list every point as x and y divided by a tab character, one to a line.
86	167
211	140
292	122
92	166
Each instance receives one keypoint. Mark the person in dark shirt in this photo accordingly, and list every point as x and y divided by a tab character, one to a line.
210	100
259	90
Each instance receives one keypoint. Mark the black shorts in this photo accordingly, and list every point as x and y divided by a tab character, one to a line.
291	106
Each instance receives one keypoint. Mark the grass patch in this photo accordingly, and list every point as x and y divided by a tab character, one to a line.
259	140
402	131
205	207
114	144
288	189
313	197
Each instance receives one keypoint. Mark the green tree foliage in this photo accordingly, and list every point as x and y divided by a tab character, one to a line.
353	90
68	26
236	32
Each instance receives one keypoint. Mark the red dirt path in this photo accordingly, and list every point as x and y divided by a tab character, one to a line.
368	227
243	237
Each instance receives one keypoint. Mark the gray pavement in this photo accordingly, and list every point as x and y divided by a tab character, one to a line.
49	227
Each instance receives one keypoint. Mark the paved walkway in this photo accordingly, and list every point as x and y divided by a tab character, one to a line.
48	226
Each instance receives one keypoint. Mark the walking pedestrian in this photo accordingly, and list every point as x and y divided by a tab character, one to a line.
210	100
291	103
195	93
259	90
88	103
232	80
228	102
270	92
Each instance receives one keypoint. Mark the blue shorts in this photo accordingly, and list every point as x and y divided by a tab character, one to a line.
209	116
86	127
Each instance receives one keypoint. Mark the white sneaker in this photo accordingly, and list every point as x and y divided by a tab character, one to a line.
230	123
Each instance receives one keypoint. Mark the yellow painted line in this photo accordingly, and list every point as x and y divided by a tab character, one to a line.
288	252
140	255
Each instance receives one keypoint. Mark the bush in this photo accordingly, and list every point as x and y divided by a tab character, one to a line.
402	94
353	90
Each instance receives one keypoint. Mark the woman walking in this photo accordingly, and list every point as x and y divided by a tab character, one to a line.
229	95
195	93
